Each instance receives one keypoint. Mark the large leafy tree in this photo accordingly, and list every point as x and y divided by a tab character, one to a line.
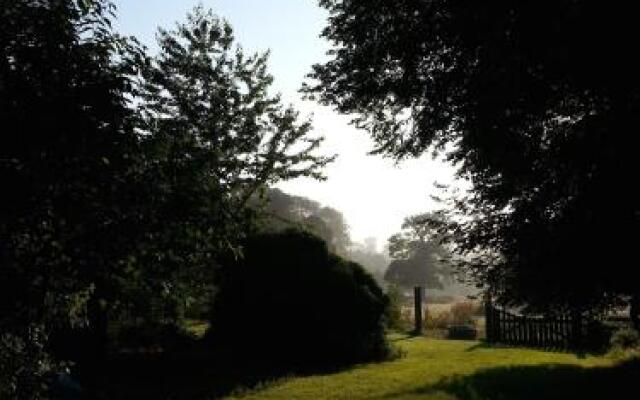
537	102
67	152
215	136
125	177
419	257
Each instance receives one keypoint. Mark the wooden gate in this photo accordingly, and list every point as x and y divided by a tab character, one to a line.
557	332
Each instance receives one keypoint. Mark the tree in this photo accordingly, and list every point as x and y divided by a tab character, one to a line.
126	176
67	153
285	211
370	258
289	282
535	106
419	258
214	137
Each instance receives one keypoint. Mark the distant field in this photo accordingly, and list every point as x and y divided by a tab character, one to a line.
462	370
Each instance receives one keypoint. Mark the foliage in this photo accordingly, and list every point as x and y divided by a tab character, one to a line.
535	107
463	312
214	137
370	258
153	336
462	332
127	176
288	291
395	319
597	336
285	211
67	159
25	364
625	339
419	258
437	318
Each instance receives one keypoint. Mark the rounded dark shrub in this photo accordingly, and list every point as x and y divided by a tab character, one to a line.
625	339
597	336
289	303
462	332
153	335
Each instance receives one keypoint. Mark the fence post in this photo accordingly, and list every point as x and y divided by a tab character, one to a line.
417	291
488	319
576	330
496	324
520	330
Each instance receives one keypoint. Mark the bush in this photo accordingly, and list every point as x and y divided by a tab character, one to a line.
462	332
289	303
25	366
397	319
437	319
625	339
151	336
463	312
598	336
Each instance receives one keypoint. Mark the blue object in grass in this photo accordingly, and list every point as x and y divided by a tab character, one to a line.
64	387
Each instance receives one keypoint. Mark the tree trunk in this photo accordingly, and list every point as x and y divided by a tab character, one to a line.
634	311
98	324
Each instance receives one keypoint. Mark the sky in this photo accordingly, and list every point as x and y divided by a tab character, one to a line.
374	193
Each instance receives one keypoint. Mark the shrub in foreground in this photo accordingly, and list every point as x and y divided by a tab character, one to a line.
289	303
462	332
625	339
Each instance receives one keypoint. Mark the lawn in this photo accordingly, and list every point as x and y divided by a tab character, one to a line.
461	370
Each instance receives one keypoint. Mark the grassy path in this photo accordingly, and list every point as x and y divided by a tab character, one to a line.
457	370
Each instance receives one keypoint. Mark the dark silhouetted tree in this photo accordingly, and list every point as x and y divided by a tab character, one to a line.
68	156
125	176
537	107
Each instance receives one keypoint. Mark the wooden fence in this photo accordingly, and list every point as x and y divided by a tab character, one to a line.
558	332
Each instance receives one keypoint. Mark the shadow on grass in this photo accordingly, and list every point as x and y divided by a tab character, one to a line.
580	354
188	375
173	376
541	382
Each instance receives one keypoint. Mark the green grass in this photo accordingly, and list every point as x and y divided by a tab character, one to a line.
196	327
460	370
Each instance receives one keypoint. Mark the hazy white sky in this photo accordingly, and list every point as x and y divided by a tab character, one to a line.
372	192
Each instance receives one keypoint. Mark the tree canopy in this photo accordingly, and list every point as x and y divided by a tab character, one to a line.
68	155
127	176
284	211
214	136
418	256
536	102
